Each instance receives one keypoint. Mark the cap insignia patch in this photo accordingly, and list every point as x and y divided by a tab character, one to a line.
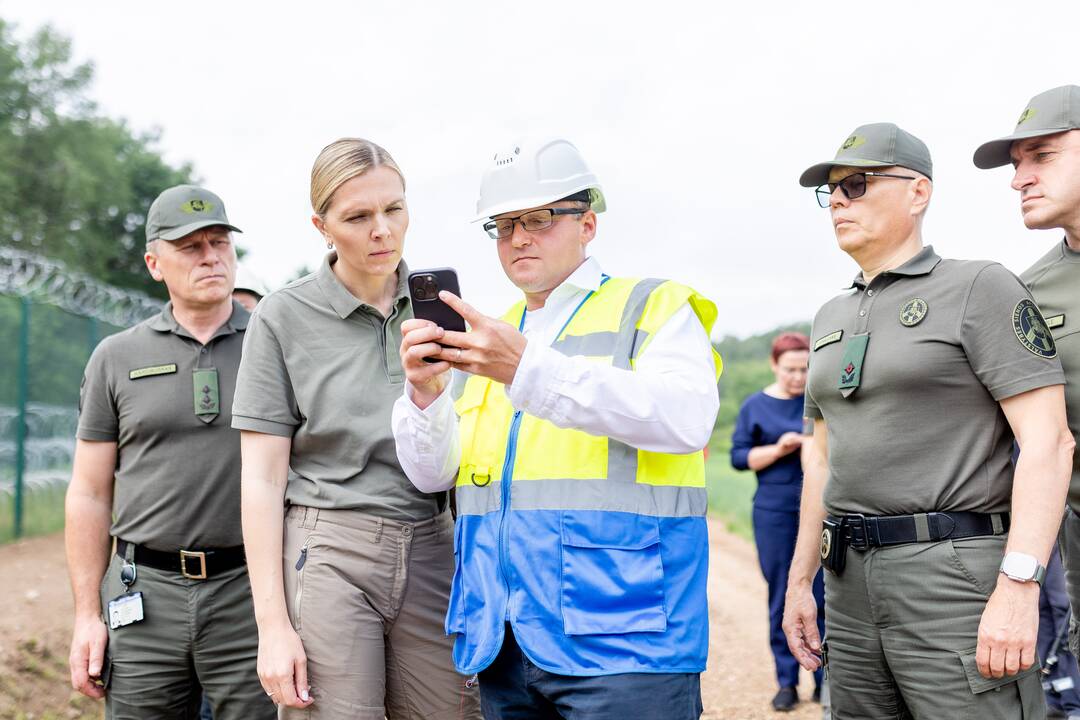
853	142
196	206
1026	115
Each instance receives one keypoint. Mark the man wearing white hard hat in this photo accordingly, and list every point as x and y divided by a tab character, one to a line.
249	290
576	453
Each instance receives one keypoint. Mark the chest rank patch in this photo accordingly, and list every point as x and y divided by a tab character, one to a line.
1031	329
913	311
154	370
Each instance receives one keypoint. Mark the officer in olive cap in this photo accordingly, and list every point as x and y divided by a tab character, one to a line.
166	612
1044	151
921	375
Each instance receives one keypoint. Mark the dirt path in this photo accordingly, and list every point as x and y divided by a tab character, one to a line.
36	622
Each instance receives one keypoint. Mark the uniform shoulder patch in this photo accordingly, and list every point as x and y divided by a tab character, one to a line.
829	339
913	311
152	370
1031	329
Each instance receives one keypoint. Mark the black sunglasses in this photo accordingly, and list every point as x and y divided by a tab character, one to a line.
853	186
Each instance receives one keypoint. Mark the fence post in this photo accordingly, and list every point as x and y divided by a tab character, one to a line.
91	335
20	427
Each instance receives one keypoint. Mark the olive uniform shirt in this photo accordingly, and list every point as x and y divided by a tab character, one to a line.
177	479
923	430
1054	282
322	367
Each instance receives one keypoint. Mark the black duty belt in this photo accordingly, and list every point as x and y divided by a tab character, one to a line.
867	531
193	564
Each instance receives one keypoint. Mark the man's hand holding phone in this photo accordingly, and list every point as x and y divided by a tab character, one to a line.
491	348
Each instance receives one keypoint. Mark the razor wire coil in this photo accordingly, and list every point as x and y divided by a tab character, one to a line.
25	274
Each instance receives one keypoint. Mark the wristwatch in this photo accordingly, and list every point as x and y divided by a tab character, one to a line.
1022	568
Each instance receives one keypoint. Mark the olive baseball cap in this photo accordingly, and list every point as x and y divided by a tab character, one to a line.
874	145
183	209
1047	113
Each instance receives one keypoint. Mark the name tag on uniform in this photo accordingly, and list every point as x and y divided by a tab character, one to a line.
1055	321
851	364
152	370
125	610
828	339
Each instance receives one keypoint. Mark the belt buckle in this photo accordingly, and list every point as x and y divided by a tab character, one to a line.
858	520
185	555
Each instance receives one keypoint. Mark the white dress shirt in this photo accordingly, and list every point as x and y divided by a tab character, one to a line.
668	403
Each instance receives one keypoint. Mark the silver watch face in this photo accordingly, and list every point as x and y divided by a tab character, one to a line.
1020	566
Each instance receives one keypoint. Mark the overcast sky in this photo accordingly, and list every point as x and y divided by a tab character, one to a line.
697	117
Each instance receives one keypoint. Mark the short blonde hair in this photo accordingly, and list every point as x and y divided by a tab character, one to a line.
341	161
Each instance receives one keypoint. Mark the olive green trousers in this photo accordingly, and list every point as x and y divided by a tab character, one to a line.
198	635
901	626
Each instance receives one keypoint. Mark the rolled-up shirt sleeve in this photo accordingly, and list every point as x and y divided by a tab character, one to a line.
428	446
668	403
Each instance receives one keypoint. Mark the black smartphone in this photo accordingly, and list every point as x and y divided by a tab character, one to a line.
424	287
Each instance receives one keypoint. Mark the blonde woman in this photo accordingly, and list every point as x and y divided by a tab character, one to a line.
351	576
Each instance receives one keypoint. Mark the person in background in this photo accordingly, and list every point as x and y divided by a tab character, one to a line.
153	507
249	289
767	439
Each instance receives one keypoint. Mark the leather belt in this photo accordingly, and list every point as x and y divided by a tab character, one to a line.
867	531
192	564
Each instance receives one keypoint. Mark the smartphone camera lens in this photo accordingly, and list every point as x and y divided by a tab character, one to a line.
425	287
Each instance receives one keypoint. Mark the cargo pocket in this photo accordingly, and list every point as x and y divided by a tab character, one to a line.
455	611
612	574
1022	691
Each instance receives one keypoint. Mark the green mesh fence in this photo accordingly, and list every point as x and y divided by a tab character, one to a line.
50	321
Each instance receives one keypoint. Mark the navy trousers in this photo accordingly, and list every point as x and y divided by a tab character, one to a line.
1053	623
513	688
774	534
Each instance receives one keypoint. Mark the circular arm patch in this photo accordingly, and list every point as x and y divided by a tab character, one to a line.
1031	329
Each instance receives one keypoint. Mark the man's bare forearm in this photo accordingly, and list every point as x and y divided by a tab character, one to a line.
1040	485
806	560
86	537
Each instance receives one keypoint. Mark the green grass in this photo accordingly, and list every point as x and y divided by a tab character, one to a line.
731	491
730	496
43	512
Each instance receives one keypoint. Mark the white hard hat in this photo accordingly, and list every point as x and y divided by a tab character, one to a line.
530	173
246	280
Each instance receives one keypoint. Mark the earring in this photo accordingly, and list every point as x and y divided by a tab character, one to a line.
329	244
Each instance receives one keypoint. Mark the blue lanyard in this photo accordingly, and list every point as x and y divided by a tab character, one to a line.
521	323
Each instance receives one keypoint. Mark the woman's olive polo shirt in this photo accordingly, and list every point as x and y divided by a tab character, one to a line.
322	367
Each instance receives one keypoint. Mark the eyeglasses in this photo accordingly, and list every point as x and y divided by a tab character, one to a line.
853	186
532	221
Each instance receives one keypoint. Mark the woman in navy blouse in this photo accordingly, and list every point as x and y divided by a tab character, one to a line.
767	439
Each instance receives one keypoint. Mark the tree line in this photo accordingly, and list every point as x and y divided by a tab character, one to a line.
75	185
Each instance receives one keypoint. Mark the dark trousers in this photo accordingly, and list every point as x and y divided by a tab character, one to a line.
513	688
774	535
1053	623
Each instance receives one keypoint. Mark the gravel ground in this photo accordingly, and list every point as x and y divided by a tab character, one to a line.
35	631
